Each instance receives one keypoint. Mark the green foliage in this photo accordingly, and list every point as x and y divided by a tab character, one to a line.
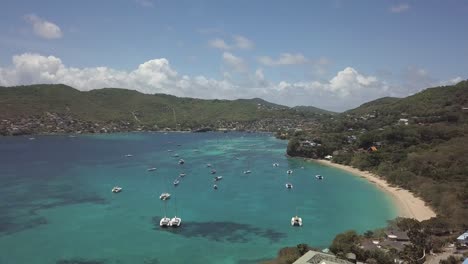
345	242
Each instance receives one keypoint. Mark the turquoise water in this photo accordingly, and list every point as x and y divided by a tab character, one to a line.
56	202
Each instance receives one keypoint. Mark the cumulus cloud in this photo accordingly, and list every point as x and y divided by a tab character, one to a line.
238	42
219	44
242	42
346	89
400	8
236	63
284	59
43	28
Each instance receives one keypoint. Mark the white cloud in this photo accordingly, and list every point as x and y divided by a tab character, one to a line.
242	42
219	44
238	42
44	28
400	8
234	62
346	89
284	59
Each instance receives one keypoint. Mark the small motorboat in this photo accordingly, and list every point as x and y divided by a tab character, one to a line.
289	171
208	165
319	177
218	178
213	171
289	185
31	138
275	164
128	155
296	221
169	150
181	161
165	222
215	186
151	169
165	196
175	221
176	182
175	155
182	174
116	189
247	172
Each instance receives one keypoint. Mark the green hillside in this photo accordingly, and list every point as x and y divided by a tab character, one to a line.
116	106
420	142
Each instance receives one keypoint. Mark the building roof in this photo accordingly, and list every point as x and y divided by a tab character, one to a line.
399	235
463	236
314	257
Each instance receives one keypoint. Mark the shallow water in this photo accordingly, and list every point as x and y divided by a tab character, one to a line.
57	207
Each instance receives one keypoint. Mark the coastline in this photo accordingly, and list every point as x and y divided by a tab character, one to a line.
408	205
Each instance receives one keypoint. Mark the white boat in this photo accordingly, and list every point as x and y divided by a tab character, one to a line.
215	186
289	185
247	172
175	221
208	165
169	150
213	171
181	161
275	164
296	221
218	178
289	171
176	182
319	177
182	174
151	169
175	155
116	189
165	196
31	138
165	221
128	155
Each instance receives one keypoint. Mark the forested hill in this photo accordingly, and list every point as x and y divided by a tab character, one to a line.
418	142
63	109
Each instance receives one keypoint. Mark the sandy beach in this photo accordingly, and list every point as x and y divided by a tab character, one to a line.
407	203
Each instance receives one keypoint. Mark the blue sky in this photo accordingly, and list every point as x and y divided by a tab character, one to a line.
331	54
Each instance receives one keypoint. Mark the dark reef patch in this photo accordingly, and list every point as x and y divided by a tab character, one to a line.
81	261
222	231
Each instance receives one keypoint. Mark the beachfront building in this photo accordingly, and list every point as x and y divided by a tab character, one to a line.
397	235
314	257
463	238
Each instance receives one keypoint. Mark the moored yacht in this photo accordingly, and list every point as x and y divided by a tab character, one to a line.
176	182
175	221
289	171
165	221
289	185
275	164
247	172
215	186
128	155
165	196
181	161
296	221
116	189
218	178
182	174
213	171
151	169
208	165
319	177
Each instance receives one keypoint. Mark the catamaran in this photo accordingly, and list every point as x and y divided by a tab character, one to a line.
165	221
175	221
296	220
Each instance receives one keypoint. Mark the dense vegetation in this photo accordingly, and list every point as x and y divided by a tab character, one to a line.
111	105
418	143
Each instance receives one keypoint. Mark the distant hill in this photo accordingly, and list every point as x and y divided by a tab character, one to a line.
111	105
312	110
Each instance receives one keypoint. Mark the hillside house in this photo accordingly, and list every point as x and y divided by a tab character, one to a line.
314	257
463	238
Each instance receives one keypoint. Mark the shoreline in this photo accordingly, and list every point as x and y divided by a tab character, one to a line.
408	205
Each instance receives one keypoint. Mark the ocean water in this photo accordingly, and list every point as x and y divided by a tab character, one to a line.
56	204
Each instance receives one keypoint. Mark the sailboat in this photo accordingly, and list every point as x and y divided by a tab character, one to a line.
296	220
165	221
175	221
